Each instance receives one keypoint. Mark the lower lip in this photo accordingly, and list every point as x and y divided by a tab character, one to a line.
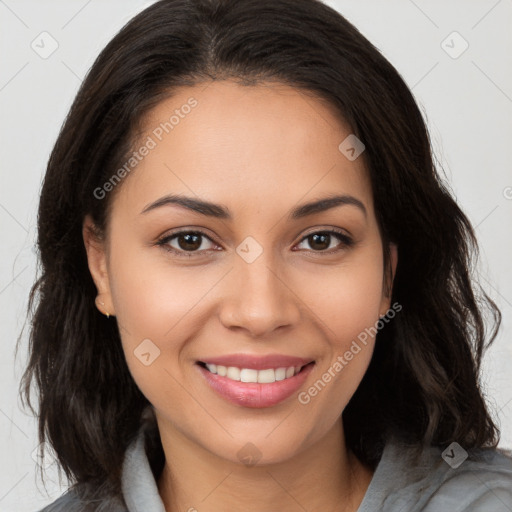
254	394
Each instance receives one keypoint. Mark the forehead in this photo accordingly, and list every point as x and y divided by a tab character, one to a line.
261	145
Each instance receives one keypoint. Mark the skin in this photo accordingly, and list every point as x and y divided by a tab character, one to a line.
259	151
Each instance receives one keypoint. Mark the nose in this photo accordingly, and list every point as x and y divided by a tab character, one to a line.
258	299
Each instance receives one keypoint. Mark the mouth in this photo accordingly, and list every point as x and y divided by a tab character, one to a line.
254	388
263	376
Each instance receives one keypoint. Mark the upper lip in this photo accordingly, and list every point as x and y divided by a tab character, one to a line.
257	362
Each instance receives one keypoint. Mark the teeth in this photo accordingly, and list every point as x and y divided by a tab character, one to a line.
280	374
233	373
249	375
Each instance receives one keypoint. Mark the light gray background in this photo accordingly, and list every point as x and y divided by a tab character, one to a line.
467	102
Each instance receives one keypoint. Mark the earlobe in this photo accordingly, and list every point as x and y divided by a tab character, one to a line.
96	251
101	306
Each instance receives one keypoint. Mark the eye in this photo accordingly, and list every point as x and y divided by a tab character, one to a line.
185	242
319	241
190	243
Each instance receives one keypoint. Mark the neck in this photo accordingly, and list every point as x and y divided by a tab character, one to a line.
325	476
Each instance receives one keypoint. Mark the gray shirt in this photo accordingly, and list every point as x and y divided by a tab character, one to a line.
481	483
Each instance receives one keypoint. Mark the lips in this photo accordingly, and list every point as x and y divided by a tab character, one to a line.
255	394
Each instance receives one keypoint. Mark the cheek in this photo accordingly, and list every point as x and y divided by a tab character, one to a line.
157	306
346	301
150	311
347	298
151	295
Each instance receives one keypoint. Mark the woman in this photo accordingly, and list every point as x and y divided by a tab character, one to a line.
255	289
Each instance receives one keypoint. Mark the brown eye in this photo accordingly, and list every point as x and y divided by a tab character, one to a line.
321	240
189	241
184	242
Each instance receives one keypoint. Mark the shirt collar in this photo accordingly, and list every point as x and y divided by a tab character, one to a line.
138	483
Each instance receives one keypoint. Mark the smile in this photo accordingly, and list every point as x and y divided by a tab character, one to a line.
265	376
251	387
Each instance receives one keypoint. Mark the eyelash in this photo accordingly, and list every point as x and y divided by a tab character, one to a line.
346	242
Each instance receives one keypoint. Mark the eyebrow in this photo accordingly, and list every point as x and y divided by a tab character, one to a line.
218	211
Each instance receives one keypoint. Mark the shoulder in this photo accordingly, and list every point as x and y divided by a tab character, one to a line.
138	491
481	483
72	502
453	479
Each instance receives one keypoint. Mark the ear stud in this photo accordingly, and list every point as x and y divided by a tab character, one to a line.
106	313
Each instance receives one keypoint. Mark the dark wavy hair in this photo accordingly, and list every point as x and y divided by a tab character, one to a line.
422	384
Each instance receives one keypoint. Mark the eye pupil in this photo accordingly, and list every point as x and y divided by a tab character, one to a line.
192	241
320	240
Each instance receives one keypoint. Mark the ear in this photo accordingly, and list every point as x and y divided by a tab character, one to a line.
96	249
389	277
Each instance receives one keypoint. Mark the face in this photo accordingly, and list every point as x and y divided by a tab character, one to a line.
250	283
